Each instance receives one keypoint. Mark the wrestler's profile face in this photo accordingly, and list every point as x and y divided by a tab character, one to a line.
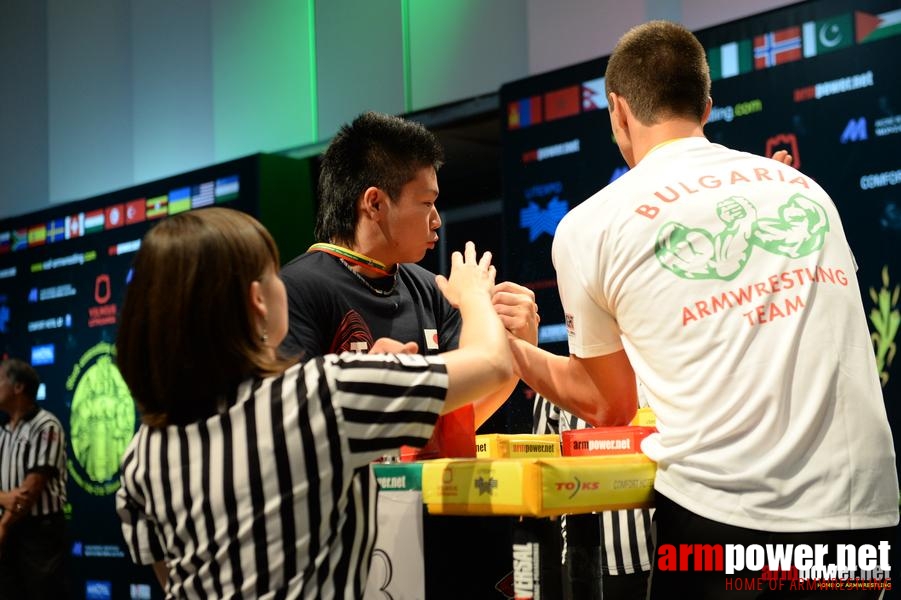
412	221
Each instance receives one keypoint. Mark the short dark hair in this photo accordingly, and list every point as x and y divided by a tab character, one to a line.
661	70
375	150
19	371
187	336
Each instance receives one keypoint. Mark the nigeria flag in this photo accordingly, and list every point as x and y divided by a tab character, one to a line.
730	60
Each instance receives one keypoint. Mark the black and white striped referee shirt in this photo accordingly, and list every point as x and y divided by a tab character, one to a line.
626	543
260	501
38	443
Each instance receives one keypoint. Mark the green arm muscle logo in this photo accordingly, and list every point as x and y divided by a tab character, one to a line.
102	421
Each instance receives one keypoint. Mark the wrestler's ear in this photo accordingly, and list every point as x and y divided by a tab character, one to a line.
619	112
371	202
707	108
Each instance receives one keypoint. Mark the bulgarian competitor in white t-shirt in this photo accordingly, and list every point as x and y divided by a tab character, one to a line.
724	282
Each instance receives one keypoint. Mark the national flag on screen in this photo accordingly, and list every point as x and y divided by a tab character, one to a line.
19	239
179	200
93	221
75	226
869	28
827	35
56	230
562	103
202	195
227	188
6	239
134	211
594	94
523	113
777	47
115	216
37	235
730	60
157	207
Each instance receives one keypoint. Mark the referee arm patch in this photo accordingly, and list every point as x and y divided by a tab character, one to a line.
415	361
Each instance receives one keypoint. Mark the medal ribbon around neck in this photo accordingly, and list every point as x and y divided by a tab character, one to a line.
355	258
664	143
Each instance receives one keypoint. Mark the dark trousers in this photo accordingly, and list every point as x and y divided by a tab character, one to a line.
584	577
33	559
676	525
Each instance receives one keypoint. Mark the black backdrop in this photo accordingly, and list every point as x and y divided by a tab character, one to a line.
825	86
63	273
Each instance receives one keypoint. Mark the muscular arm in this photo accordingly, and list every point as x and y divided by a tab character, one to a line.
487	406
515	305
601	390
481	365
799	230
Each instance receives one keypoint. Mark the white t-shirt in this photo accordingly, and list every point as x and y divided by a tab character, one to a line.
728	280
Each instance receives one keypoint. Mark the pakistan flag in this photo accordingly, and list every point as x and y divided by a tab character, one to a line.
820	37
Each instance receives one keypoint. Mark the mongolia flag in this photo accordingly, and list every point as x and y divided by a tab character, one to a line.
777	47
523	113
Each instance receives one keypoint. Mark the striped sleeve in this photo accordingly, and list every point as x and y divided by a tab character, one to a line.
386	401
545	416
48	445
140	537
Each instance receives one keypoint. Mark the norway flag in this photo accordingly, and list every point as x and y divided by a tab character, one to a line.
777	47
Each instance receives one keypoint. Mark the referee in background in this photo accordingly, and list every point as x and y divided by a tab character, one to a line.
32	490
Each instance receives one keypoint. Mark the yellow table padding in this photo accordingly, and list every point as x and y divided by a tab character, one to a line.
644	418
524	445
537	486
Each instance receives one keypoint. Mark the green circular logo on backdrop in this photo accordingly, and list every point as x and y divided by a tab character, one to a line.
101	422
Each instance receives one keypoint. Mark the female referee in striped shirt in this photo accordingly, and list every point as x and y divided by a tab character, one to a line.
237	482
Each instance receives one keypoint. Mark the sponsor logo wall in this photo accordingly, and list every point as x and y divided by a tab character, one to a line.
63	274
